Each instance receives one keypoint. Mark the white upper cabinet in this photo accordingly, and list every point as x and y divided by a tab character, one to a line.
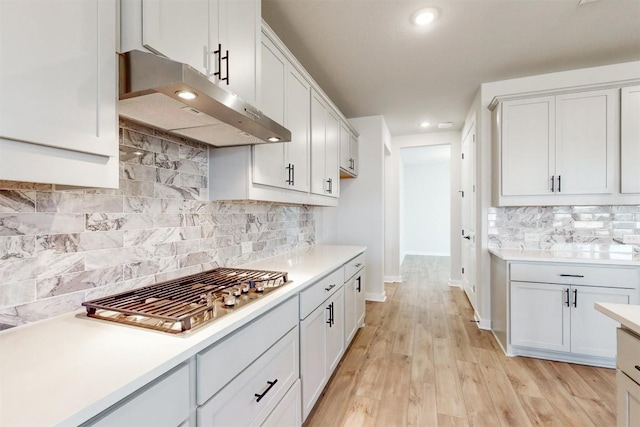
348	152
58	92
324	148
562	149
219	38
586	142
285	98
630	139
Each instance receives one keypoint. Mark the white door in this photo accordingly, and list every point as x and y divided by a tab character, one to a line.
268	159
313	361
540	316
585	132
630	139
592	333
298	122
527	146
468	235
177	30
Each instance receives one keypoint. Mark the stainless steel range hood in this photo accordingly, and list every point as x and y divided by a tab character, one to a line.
149	88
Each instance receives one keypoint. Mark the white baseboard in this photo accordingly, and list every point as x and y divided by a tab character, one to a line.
427	253
376	297
457	283
482	323
392	279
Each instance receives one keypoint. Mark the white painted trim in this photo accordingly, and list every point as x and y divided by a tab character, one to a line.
376	297
456	283
393	279
426	253
605	362
500	344
482	323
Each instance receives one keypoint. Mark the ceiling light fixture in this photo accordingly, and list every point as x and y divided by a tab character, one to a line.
185	94
425	124
424	16
445	125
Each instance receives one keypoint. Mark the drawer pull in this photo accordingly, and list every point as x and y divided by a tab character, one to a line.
358	265
637	367
271	384
330	287
572	275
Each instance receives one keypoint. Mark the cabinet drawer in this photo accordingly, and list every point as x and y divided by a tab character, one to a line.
271	376
353	266
217	365
165	402
576	274
629	354
315	294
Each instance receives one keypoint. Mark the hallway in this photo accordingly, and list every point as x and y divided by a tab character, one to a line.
421	361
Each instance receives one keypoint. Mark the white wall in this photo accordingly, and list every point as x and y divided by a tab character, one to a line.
359	217
425	205
573	79
392	199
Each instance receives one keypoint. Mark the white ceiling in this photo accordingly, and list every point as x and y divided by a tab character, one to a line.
370	60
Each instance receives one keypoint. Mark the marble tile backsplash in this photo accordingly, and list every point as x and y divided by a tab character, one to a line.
60	248
550	227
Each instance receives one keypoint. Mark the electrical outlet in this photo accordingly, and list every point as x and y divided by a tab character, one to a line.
246	247
631	239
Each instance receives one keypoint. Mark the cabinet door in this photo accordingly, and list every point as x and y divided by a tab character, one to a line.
355	154
287	413
540	316
345	147
58	75
360	299
238	31
268	159
298	118
527	147
177	30
628	396
630	139
592	333
335	331
313	361
350	316
318	145
585	142
332	147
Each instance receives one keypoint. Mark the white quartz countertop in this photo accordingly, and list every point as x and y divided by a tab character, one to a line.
584	257
628	315
65	370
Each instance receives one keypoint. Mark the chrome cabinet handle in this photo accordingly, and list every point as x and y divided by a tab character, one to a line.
264	393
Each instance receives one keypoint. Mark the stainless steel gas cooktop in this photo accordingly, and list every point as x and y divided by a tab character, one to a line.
183	304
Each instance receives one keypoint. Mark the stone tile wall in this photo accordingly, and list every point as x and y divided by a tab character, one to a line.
60	248
549	227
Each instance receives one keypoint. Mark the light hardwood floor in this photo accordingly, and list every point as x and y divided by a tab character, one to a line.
422	361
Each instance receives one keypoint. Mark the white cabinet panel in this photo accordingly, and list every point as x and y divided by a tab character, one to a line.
313	358
349	310
177	30
335	331
287	413
360	298
591	332
630	139
325	148
528	144
332	152
298	118
540	316
628	396
585	132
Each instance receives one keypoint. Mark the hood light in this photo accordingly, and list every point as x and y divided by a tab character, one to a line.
274	139
185	94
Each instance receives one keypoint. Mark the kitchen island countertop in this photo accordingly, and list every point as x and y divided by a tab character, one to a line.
628	315
577	256
65	370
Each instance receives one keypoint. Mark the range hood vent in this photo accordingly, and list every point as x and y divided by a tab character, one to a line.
149	87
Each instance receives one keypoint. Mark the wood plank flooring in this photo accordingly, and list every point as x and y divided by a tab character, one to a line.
422	361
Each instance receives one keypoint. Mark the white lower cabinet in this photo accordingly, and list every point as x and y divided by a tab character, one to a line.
321	337
255	393
354	301
163	403
628	379
552	312
288	412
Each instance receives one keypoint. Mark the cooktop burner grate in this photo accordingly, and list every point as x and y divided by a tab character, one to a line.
182	304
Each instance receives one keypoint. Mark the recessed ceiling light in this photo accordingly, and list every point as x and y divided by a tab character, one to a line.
445	125
425	124
424	16
185	94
